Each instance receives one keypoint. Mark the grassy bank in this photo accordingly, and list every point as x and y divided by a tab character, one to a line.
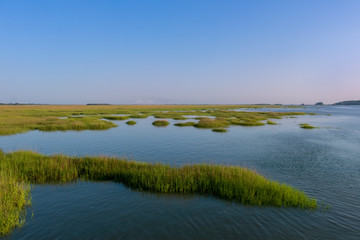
14	196
226	182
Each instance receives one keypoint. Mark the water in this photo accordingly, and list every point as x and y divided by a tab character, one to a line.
322	162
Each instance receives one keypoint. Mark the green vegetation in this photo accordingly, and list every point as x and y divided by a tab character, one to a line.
180	118
226	182
212	123
185	124
22	118
130	122
271	122
221	130
247	123
119	118
14	196
160	123
306	126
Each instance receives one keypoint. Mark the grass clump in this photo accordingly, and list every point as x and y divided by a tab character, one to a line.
247	123
180	118
212	123
118	118
306	126
271	122
130	122
220	130
226	182
233	183
185	124
160	123
14	197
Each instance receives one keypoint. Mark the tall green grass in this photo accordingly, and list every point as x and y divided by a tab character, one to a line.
14	196
226	182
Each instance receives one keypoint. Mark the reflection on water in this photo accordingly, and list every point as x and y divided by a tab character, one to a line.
322	162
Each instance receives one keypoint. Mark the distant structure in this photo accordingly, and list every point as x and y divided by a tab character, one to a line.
319	103
350	102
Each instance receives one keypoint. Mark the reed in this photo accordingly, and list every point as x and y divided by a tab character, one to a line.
14	197
226	182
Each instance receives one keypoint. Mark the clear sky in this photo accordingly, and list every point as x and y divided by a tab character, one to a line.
162	52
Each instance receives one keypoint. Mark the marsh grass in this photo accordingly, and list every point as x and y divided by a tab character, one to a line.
185	124
22	118
130	122
220	130
218	122
118	118
226	182
271	122
247	123
180	118
14	197
160	123
306	126
233	183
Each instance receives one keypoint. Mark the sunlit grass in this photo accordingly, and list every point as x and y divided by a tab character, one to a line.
22	118
226	182
130	122
212	123
160	123
118	118
14	197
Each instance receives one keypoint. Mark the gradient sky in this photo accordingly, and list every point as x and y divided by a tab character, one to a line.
162	52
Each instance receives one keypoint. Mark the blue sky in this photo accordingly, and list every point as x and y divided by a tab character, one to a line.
162	52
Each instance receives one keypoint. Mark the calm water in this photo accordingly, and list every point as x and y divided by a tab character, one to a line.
324	162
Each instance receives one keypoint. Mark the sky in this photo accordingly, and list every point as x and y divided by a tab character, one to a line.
179	51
